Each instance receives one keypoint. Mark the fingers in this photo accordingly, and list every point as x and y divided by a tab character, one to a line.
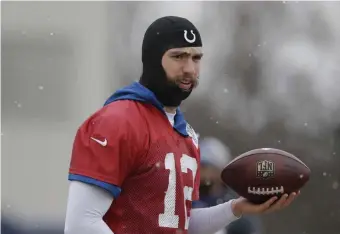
270	202
265	206
273	204
278	204
290	199
283	202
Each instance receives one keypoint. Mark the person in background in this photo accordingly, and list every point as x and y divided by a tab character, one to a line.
214	157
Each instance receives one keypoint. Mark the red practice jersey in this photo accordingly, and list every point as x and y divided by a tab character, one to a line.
130	149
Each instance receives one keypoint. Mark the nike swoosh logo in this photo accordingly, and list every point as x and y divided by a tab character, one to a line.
102	143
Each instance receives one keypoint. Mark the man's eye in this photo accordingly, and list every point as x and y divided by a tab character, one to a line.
197	58
179	56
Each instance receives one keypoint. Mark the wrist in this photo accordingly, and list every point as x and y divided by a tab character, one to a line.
236	209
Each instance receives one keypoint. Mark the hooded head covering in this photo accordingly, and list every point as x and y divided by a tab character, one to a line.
163	34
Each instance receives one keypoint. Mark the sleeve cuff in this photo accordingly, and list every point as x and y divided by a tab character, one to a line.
113	189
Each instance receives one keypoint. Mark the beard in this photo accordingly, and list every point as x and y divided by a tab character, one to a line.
171	93
167	90
189	83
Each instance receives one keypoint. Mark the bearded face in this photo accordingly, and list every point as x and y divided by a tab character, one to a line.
182	67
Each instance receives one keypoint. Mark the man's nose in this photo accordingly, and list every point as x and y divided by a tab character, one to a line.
189	67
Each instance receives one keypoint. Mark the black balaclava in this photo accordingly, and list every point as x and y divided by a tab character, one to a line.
163	34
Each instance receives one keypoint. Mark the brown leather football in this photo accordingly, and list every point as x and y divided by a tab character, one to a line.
260	174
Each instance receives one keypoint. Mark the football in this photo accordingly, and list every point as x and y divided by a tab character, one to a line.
260	174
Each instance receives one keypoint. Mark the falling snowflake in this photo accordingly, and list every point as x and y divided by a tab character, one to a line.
216	122
279	141
8	206
51	33
207	182
335	185
249	55
18	104
305	124
324	174
40	87
158	164
225	90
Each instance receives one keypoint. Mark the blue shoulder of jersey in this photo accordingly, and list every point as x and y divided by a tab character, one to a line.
138	92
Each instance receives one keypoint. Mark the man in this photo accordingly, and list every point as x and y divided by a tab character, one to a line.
135	162
214	156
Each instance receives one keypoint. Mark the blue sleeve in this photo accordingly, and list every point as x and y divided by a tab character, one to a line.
113	189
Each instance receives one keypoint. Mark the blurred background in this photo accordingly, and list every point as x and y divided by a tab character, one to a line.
270	78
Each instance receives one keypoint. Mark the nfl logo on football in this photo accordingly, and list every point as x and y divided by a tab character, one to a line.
265	169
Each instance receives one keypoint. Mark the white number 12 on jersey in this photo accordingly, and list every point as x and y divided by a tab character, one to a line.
169	218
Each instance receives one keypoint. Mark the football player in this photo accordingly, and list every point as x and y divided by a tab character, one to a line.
135	162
